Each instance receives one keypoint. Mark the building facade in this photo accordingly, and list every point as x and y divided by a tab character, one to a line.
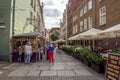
83	15
107	15
16	17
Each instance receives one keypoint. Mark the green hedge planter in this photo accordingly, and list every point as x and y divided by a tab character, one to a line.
98	67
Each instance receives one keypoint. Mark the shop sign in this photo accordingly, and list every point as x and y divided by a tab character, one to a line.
113	67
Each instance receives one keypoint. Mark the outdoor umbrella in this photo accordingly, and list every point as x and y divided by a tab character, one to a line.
110	32
89	34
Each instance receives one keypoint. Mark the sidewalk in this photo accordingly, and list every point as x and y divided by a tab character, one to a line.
64	68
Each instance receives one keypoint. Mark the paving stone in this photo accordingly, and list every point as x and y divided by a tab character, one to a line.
66	73
48	73
57	67
44	68
83	72
18	73
0	72
33	73
64	68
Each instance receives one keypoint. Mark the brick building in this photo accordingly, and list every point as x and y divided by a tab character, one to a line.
101	14
108	15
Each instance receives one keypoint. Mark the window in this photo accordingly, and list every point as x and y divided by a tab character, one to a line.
81	12
90	22
74	18
32	3
81	26
85	9
102	15
76	28
85	24
73	29
31	17
90	5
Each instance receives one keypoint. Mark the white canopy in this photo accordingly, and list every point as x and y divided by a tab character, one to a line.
89	34
110	32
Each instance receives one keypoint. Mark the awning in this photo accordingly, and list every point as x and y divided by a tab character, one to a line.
89	34
110	32
31	34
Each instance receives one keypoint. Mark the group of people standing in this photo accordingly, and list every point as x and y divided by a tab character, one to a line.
28	52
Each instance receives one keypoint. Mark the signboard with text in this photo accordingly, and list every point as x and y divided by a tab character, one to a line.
113	67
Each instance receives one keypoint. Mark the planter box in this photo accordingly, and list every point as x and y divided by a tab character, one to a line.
86	62
81	59
98	67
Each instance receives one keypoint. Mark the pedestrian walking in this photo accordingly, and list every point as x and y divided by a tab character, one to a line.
51	53
28	52
47	55
20	54
41	52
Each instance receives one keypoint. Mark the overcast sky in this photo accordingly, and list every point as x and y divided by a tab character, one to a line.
53	11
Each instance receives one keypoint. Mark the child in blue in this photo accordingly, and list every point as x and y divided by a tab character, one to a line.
20	54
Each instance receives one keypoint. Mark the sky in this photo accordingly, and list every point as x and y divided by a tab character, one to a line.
53	12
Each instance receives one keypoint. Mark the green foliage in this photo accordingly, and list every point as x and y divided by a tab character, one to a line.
84	52
55	35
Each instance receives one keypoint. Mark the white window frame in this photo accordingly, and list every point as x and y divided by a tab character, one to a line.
90	22
102	15
85	9
90	5
81	26
76	28
73	29
81	12
85	24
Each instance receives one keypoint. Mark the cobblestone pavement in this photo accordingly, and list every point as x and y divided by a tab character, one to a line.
64	68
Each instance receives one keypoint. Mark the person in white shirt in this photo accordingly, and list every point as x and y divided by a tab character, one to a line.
28	52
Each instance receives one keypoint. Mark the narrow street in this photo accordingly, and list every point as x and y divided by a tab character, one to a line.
64	68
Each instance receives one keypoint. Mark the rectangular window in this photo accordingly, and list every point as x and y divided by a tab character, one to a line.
31	17
81	26
90	22
81	12
90	5
73	29
102	15
74	18
76	28
85	9
85	24
32	3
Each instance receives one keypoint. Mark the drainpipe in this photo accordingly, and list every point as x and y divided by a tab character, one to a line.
13	18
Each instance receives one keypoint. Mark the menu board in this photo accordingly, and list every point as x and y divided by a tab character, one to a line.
113	67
